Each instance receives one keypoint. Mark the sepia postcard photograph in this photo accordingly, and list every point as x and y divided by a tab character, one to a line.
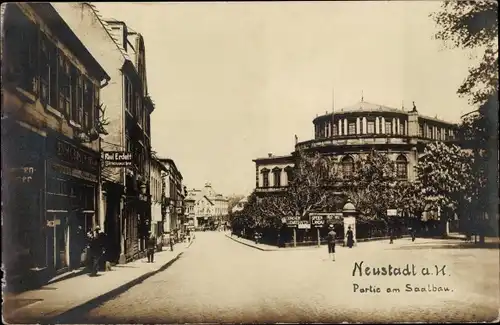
232	162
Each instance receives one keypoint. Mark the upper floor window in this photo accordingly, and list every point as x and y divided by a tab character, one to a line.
370	127
401	128
401	167
351	128
265	178
289	174
420	130
429	133
334	129
277	177
438	134
347	166
388	127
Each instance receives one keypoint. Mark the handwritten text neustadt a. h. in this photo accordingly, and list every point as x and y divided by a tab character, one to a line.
390	270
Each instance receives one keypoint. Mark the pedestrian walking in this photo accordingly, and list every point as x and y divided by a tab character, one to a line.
151	246
96	251
350	237
413	235
332	236
391	236
171	241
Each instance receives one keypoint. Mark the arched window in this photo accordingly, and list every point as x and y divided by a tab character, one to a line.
277	176
265	177
289	174
347	166
401	167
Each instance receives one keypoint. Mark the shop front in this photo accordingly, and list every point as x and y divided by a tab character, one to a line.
23	176
70	201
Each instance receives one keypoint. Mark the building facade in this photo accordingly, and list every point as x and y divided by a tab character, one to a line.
51	87
157	191
173	201
352	133
206	208
124	195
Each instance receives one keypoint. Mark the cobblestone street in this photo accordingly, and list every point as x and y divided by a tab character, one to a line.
220	280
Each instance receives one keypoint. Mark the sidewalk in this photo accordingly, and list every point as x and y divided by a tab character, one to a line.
269	248
66	296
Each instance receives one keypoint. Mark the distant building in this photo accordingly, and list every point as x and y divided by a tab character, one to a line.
205	206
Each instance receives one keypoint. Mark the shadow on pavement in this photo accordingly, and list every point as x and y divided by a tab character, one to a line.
75	315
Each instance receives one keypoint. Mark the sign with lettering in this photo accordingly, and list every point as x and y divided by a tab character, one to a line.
117	159
392	212
75	156
317	220
304	224
53	223
74	172
292	221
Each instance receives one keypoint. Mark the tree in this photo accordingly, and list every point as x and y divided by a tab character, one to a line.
371	187
408	199
445	178
473	25
308	190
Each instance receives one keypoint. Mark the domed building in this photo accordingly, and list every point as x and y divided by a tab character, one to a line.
348	134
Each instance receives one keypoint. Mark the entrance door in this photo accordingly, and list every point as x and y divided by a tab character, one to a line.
61	242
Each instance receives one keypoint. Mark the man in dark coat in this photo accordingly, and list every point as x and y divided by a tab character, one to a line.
96	250
332	236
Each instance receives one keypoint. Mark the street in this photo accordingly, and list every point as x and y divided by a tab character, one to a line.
219	280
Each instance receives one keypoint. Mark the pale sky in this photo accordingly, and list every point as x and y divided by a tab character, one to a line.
235	81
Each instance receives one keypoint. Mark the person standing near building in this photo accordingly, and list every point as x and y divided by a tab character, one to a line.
332	236
151	245
350	237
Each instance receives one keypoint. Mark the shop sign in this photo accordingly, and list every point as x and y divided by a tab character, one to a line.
317	220
75	156
74	172
292	221
304	224
53	223
24	174
117	159
392	212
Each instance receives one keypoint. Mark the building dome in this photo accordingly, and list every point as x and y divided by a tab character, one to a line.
349	207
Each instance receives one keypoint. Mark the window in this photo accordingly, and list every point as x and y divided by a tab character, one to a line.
22	37
334	129
88	103
420	130
370	127
48	72
347	166
64	85
265	178
352	128
96	111
277	177
401	128
388	127
438	134
316	131
429	132
401	167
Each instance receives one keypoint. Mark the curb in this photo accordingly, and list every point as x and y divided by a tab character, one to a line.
256	247
73	313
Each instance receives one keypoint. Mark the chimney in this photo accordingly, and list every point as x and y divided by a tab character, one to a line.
269	155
